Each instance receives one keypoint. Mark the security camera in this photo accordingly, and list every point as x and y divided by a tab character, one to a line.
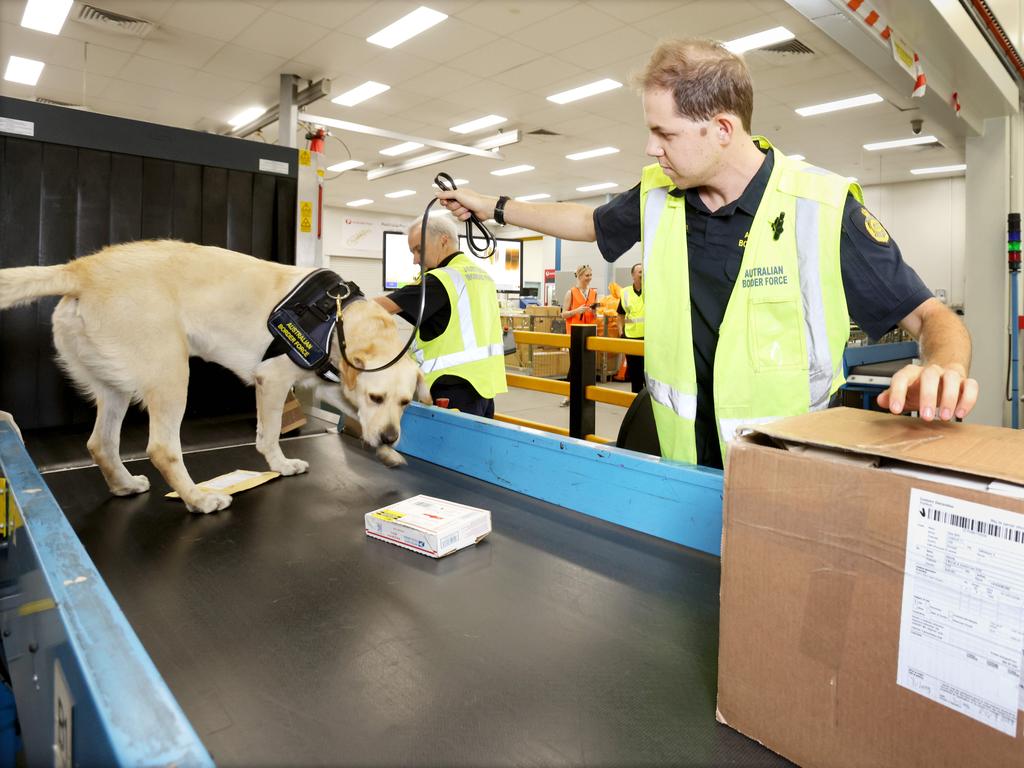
916	125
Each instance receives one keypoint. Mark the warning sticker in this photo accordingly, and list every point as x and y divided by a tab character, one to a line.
305	216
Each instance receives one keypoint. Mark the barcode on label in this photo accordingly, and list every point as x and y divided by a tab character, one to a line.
972	524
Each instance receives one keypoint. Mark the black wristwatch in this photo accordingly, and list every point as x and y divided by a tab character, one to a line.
499	210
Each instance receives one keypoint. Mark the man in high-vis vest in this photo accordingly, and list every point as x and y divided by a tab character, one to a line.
631	323
754	262
459	345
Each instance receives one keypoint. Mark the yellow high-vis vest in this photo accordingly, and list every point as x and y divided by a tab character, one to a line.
470	347
780	346
634	306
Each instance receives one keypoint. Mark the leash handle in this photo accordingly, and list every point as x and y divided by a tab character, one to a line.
447	184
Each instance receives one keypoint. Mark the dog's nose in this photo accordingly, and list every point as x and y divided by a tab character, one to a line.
389	436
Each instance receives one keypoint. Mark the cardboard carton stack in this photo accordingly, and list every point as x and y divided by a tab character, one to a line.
872	598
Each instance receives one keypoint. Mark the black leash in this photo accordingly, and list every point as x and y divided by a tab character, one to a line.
447	184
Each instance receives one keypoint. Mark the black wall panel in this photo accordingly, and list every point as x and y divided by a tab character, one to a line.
20	203
240	211
59	201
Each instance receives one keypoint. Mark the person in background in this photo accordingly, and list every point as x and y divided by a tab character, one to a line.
579	304
631	324
581	300
458	345
754	265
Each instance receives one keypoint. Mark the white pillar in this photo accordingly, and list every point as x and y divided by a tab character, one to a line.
985	273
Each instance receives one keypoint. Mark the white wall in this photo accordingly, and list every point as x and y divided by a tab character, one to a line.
928	220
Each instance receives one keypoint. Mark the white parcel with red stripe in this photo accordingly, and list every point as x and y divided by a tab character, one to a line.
430	526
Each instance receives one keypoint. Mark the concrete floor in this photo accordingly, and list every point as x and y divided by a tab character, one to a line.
544	408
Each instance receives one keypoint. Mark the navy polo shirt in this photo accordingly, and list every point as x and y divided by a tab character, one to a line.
881	289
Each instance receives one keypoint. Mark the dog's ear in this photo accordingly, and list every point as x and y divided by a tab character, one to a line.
349	373
422	390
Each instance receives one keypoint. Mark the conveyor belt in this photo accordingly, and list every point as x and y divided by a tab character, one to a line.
290	638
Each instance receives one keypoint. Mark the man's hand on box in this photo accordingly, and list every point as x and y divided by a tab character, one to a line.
931	390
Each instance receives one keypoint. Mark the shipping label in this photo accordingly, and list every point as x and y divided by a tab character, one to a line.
961	630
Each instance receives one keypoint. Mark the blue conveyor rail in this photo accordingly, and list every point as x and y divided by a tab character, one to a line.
83	684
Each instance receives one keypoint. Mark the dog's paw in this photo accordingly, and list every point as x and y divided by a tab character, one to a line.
137	484
289	467
208	502
390	457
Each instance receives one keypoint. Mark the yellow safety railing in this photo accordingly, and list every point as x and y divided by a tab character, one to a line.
594	344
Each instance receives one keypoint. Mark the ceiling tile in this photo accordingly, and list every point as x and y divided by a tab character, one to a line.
178	46
219	19
328	15
507	17
500	56
569	27
279	35
216	87
157	74
440	81
634	10
242	63
612	46
538	73
698	18
340	56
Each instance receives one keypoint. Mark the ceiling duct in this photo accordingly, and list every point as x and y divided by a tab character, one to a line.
65	104
787	52
114	23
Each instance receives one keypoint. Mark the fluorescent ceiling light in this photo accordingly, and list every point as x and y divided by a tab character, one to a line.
852	178
592	153
360	202
479	124
939	169
25	71
246	116
511	169
361	93
401	193
583	91
900	143
410	25
796	157
528	198
596	187
46	15
835	106
401	149
345	165
759	40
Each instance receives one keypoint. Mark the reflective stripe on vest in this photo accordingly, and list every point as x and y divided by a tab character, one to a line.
460	358
684	406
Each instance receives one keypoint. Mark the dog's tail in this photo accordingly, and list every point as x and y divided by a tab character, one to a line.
22	285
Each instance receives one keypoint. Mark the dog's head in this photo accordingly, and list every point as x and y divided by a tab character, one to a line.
380	397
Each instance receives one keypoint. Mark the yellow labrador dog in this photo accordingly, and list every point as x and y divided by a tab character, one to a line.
131	316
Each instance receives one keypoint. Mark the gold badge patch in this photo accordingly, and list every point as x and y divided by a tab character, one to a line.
874	227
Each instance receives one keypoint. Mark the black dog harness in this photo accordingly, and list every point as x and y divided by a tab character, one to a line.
303	323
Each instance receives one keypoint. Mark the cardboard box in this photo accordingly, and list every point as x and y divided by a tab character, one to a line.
872	591
543	311
430	526
550	363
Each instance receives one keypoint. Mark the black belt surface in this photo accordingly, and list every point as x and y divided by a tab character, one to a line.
290	638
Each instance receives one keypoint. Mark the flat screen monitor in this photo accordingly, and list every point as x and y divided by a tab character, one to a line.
505	266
